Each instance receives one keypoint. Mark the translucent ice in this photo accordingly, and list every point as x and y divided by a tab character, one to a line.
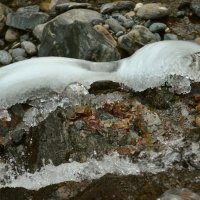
174	62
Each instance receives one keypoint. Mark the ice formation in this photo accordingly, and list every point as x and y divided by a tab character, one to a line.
175	62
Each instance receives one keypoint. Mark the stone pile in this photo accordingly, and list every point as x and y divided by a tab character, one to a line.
97	33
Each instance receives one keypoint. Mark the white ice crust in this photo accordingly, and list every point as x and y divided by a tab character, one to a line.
149	67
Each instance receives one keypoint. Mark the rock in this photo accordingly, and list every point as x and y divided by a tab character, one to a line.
101	29
180	13
18	54
195	7
11	35
38	31
5	57
127	23
114	25
24	37
4	10
71	35
17	136
157	27
170	36
130	14
152	11
158	38
29	47
54	3
179	194
26	18
118	5
2	43
197	121
61	8
137	6
118	34
136	38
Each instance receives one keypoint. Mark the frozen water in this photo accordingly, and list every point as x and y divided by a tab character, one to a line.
175	62
73	171
148	161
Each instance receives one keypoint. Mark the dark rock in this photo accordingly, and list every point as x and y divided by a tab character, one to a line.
180	13
17	136
152	11
26	18
61	8
136	38
118	5
157	27
4	10
73	36
195	7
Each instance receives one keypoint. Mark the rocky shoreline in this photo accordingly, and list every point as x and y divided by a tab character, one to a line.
157	130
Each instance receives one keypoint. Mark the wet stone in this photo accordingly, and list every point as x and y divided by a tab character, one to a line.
5	57
157	27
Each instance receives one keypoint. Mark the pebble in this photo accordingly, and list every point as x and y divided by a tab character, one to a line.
118	34
106	26
157	27
114	25
29	47
137	6
197	121
5	57
195	7
197	40
11	35
152	11
158	37
170	36
198	108
130	14
24	37
180	13
18	52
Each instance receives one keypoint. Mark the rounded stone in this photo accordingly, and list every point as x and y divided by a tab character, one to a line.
157	27
152	11
11	35
170	36
29	47
18	52
5	57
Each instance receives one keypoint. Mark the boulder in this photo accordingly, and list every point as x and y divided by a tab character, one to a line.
26	18
71	35
152	11
136	38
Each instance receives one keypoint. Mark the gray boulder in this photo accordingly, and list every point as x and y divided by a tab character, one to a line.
136	38
152	11
71	35
26	18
